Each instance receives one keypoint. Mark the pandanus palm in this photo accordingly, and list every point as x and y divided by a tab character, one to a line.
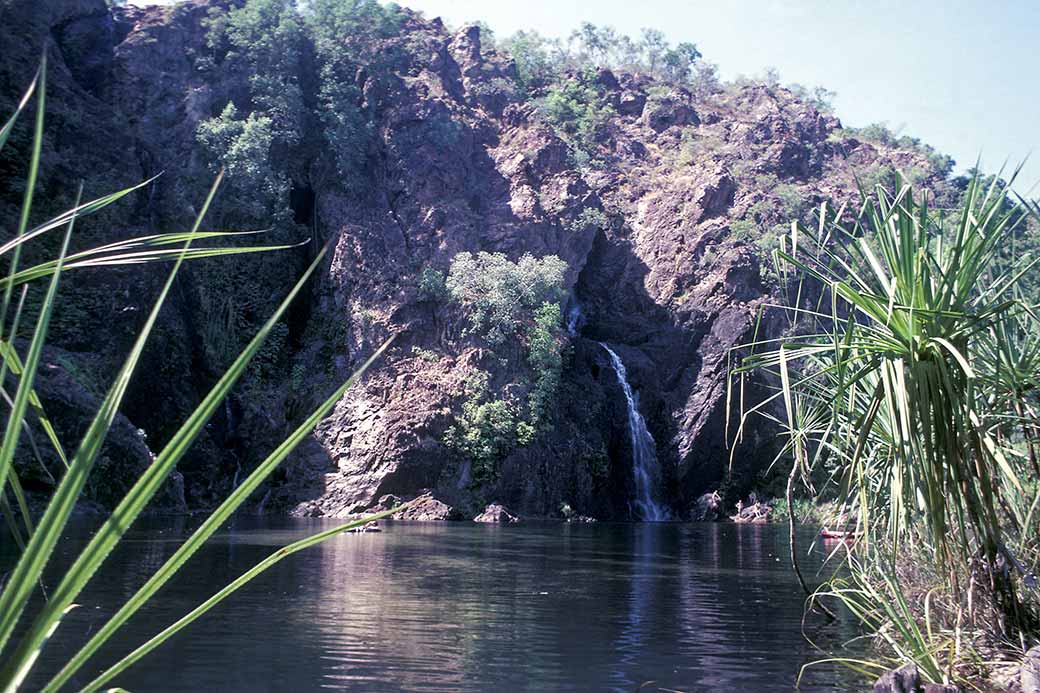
896	369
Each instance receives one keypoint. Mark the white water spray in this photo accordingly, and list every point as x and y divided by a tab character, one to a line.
644	451
575	319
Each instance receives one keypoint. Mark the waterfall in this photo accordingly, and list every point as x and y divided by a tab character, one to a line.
575	319
644	452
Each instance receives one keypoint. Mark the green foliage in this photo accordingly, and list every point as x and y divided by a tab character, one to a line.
499	294
266	37
545	355
519	301
940	164
594	46
820	98
432	286
271	43
590	217
908	379
1023	242
426	355
347	129
242	146
270	360
578	114
344	34
677	63
535	67
485	431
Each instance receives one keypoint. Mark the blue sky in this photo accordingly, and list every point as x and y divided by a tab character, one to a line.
962	75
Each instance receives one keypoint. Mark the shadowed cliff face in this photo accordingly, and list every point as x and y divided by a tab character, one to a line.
670	274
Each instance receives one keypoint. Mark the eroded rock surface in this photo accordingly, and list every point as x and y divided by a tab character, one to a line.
670	272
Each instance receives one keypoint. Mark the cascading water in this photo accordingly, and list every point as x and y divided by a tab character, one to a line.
575	319
644	452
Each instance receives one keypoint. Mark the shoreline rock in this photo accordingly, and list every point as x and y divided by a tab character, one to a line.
495	512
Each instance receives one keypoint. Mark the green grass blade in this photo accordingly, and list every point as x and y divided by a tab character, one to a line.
78	210
20	584
34	167
11	361
137	498
36	555
16	418
12	525
147	252
5	131
211	525
227	591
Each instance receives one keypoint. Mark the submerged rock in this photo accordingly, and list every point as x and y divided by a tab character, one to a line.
496	513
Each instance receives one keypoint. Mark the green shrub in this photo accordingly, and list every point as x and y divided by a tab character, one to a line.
485	431
545	355
432	286
266	38
242	146
499	294
590	217
578	114
535	68
344	34
426	355
520	301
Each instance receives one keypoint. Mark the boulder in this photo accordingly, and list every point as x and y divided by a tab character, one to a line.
907	679
753	511
707	508
71	399
662	113
496	513
426	508
903	680
632	103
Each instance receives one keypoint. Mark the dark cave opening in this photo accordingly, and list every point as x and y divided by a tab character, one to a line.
302	201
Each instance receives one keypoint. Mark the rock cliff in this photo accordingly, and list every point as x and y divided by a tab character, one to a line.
665	238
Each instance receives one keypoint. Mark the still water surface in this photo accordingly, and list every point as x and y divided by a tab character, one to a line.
469	607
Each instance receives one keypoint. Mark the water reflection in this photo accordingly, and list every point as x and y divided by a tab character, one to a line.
465	607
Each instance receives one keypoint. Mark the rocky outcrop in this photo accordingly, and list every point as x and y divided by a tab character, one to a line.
70	397
496	513
752	512
426	508
670	271
707	508
908	680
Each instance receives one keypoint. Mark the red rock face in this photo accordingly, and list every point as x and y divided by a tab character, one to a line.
673	281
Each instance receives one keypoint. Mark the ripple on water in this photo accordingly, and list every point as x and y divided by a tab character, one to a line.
466	607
